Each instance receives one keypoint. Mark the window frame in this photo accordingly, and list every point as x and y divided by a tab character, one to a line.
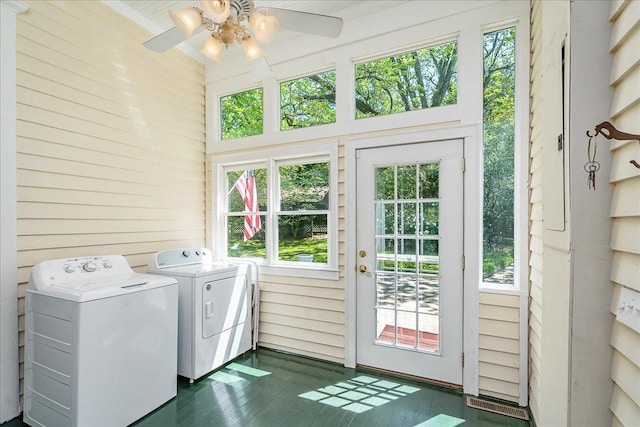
271	159
520	162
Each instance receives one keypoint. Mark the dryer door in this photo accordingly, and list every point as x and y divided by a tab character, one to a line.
225	304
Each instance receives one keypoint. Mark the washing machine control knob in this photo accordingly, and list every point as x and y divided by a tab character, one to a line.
89	266
69	268
186	253
107	264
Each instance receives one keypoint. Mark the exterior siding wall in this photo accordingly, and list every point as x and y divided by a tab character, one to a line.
110	157
625	207
499	346
536	239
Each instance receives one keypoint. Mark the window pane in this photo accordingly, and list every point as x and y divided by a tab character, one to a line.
304	187
237	246
406	218
407	182
385	183
409	81
498	146
302	238
308	101
241	114
235	200
385	214
428	181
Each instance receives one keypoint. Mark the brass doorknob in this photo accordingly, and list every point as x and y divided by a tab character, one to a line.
362	268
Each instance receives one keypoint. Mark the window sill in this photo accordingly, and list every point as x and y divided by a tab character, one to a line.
495	288
308	271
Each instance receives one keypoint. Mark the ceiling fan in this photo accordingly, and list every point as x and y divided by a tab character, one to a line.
241	22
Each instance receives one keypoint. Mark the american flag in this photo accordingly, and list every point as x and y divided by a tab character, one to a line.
246	186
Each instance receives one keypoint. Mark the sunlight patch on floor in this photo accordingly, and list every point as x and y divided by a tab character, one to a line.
360	394
441	420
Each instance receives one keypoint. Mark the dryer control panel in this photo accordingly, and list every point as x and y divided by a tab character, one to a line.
181	256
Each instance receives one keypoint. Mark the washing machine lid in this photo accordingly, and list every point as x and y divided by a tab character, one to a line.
91	278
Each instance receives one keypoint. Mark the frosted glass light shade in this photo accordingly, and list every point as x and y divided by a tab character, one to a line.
251	49
217	10
264	26
187	20
212	48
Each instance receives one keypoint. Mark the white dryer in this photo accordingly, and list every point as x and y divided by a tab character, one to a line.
214	308
100	342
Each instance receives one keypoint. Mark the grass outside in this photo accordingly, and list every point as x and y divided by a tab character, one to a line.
496	258
288	249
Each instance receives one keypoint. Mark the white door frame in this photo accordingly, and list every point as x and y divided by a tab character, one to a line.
472	235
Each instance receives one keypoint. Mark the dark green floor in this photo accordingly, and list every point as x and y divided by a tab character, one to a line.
267	388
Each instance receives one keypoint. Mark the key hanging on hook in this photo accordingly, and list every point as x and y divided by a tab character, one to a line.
592	166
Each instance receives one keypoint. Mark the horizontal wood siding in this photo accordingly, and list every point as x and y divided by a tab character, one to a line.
110	140
625	207
307	316
536	242
499	346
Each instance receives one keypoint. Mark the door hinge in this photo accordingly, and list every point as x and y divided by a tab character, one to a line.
464	262
464	164
462	359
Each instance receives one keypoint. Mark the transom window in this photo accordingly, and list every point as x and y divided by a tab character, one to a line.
408	81
241	114
308	101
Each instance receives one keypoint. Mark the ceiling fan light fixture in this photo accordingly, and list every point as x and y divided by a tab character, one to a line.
217	10
212	48
251	48
227	32
264	26
187	19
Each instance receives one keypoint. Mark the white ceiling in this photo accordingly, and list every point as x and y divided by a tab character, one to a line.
153	15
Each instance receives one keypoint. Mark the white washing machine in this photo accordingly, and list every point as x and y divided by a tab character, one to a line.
214	308
100	343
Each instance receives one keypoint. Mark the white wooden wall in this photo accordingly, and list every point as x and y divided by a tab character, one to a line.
499	346
110	140
625	207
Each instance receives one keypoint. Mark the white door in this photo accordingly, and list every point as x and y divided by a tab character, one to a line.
410	259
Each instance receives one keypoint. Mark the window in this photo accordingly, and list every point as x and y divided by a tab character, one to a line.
308	101
294	216
409	81
241	114
498	155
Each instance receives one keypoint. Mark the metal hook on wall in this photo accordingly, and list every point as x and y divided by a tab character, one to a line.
607	130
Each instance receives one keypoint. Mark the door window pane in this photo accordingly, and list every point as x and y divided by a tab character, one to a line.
407	256
385	183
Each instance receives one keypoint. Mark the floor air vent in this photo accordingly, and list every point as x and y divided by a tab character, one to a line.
485	405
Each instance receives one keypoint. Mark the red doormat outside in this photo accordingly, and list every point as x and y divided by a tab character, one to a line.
407	336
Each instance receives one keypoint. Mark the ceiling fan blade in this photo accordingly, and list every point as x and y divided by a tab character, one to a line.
305	22
165	41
